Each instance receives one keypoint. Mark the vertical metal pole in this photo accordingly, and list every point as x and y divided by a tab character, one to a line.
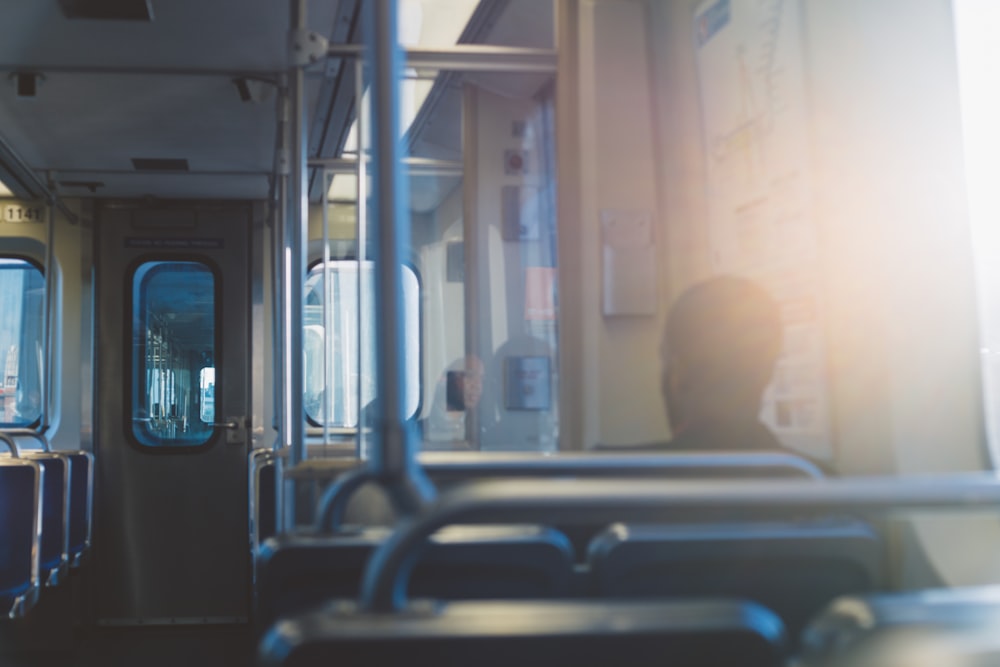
473	255
280	213
285	492
48	372
293	275
361	218
327	313
393	459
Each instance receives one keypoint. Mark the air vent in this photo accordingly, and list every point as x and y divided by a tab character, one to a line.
89	185
159	164
108	10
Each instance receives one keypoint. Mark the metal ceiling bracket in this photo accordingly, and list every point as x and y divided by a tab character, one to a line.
306	47
284	164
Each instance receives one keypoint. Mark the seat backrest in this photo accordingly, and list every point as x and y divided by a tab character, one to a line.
20	502
853	626
450	469
81	490
296	571
55	536
267	505
531	634
792	568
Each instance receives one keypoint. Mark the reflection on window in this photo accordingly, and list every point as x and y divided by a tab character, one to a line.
351	388
22	292
173	353
206	385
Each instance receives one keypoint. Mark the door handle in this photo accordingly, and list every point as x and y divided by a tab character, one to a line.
235	430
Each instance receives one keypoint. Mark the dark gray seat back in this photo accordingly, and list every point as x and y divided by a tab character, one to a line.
20	508
793	568
531	634
296	571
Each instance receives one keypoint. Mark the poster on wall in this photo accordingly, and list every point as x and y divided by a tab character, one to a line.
760	219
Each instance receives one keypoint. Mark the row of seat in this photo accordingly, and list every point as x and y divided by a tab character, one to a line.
518	594
769	562
791	568
447	469
45	525
955	627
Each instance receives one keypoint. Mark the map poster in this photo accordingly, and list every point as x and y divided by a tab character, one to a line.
760	222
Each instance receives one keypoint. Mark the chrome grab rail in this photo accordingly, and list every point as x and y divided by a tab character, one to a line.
471	465
29	433
11	443
333	504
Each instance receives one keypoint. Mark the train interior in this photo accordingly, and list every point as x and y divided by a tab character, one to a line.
331	331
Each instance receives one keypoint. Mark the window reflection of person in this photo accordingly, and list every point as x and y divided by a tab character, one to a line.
459	390
464	384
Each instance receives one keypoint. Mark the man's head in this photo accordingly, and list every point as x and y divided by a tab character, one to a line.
722	339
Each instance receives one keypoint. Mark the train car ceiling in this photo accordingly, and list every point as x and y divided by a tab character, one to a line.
213	102
112	90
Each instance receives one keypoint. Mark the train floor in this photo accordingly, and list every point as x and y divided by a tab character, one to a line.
190	646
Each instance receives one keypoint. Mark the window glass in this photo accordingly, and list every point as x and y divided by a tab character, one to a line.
351	387
173	353
488	263
22	296
978	52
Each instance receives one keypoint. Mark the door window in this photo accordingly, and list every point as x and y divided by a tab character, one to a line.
173	354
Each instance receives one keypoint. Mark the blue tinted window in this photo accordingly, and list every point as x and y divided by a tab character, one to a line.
173	353
22	297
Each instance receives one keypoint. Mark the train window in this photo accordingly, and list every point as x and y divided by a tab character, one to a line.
173	353
978	53
350	358
22	293
486	238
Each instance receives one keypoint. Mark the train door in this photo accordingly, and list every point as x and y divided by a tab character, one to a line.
173	401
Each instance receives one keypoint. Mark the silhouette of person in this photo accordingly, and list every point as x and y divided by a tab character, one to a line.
720	345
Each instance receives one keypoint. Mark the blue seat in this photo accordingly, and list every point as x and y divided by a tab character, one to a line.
793	569
267	500
81	491
296	571
20	509
703	633
54	547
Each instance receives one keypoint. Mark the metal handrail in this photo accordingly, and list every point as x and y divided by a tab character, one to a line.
503	464
465	57
11	443
392	459
594	501
333	503
29	433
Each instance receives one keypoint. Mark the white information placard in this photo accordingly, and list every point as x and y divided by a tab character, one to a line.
754	120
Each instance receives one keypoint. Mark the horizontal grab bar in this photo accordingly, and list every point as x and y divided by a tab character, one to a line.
330	509
28	433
